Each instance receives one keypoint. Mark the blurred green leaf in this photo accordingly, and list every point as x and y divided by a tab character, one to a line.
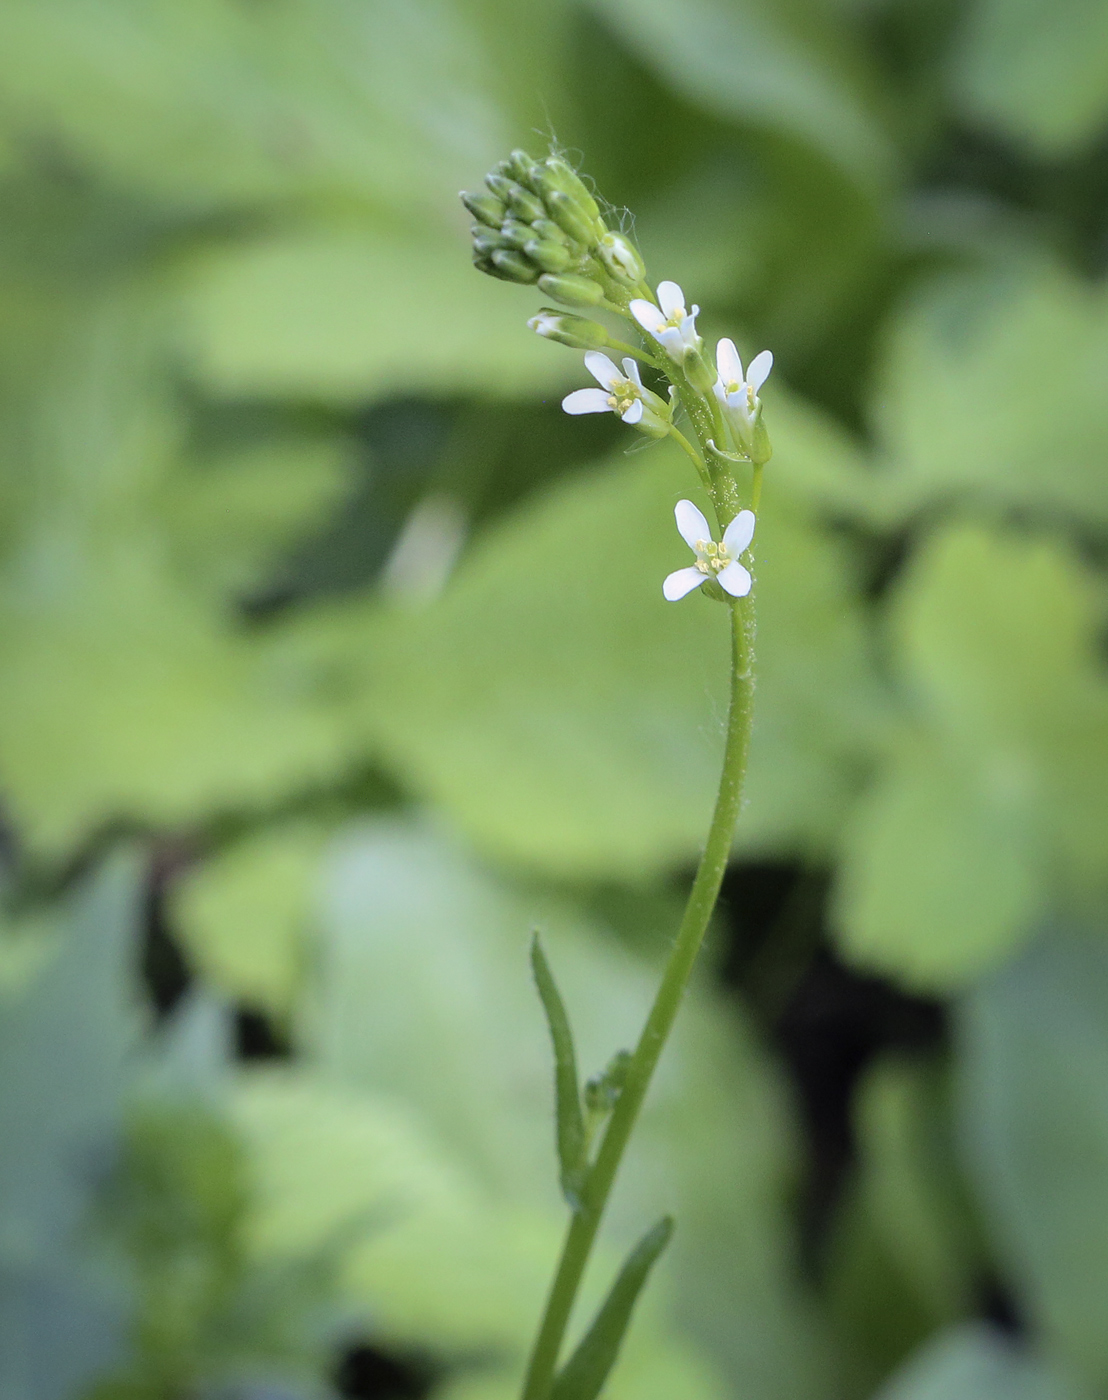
1034	1121
346	314
995	797
1038	73
245	915
415	935
976	1362
569	1120
992	391
785	67
568	717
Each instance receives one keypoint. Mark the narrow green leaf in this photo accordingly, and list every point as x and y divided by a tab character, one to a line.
570	1120
584	1374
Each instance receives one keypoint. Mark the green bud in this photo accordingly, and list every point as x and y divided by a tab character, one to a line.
521	167
700	374
557	175
513	266
500	185
551	257
484	207
565	212
514	234
525	205
573	290
485	242
622	259
549	230
574	331
761	449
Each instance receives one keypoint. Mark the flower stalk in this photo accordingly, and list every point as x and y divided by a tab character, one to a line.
539	224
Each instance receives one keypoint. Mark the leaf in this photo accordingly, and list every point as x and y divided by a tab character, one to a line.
245	914
346	314
584	1374
793	73
990	391
993	800
1036	73
424	997
568	1116
1034	1123
568	718
976	1362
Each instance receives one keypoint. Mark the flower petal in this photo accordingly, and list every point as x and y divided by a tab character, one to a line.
691	525
633	414
670	298
728	364
603	370
739	533
587	401
735	579
631	369
758	370
682	582
647	315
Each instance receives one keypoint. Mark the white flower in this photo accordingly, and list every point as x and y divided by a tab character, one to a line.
622	394
739	395
719	561
673	327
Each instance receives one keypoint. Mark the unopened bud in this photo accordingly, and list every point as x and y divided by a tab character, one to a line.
622	259
574	331
549	257
513	266
698	371
520	166
485	242
525	205
573	290
548	229
484	207
569	216
557	175
514	234
761	449
500	185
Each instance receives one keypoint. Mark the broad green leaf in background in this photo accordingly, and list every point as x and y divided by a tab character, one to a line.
789	70
426	995
65	1034
993	799
349	314
245	914
1038	73
569	718
992	391
218	103
1033	1042
976	1362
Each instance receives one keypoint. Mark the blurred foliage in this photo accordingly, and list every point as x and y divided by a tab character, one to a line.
334	661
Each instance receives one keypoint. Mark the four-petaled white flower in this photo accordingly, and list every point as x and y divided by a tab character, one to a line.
739	394
718	561
673	327
621	394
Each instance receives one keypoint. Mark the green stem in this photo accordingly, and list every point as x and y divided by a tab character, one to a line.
702	898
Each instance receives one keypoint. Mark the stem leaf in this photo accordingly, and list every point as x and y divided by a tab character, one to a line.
571	1137
584	1374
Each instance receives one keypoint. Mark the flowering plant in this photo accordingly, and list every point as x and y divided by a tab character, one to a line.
538	223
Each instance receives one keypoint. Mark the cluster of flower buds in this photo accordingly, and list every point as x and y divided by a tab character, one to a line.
538	223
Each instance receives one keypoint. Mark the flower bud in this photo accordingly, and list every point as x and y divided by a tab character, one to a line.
514	234
513	266
485	242
548	229
568	215
574	331
557	176
520	166
524	205
760	449
572	289
700	374
484	207
549	257
622	259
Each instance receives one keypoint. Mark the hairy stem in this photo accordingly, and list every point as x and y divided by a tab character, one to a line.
702	898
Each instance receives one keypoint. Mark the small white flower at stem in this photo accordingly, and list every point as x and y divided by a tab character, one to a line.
621	393
674	328
718	561
738	394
